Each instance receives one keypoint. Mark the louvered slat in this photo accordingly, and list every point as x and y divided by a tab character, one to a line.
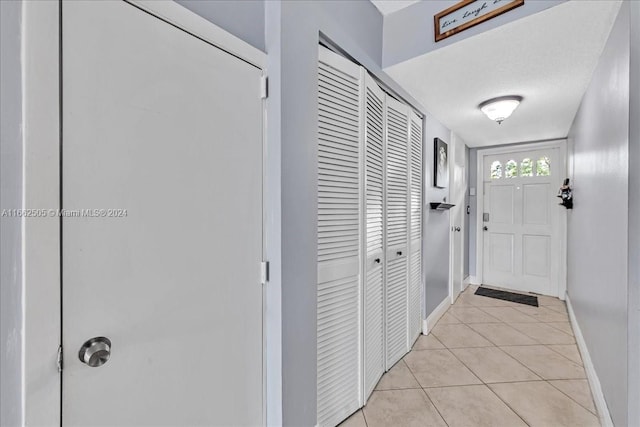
339	241
373	288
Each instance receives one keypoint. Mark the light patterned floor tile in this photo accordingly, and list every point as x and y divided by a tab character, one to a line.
570	351
492	365
509	314
471	315
502	334
562	326
436	368
459	335
447	319
427	342
578	390
398	377
355	420
544	333
545	362
474	405
540	404
407	408
543	314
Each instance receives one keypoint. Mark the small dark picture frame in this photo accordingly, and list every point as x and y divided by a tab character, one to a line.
440	163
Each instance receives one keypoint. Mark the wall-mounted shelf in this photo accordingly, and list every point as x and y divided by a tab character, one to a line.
439	206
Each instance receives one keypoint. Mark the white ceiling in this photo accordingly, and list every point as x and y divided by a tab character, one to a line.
548	58
389	6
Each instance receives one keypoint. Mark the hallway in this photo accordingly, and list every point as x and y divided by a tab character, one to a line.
487	362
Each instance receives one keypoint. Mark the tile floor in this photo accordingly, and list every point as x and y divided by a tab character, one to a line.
487	362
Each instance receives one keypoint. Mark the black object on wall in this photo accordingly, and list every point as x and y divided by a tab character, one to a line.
566	195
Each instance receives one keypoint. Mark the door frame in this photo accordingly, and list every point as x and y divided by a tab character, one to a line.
561	145
455	145
42	168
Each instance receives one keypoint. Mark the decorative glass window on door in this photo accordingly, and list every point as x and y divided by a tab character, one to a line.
543	166
526	167
511	169
496	170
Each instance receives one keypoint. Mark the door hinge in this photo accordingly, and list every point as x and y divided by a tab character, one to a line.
264	272
59	360
264	87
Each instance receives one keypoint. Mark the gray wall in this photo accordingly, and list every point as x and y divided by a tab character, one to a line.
598	232
409	32
10	198
634	219
435	234
355	26
243	19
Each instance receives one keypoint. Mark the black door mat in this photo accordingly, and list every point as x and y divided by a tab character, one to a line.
508	296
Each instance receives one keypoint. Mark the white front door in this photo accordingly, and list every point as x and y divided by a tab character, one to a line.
165	130
520	219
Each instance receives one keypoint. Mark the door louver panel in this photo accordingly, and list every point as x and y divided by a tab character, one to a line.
415	228
369	235
397	211
374	217
339	242
396	310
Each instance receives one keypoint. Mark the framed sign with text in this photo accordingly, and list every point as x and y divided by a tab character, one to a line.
468	13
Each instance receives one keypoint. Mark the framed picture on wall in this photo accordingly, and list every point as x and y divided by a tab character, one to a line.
441	163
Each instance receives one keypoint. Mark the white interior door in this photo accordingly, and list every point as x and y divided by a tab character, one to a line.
415	231
521	241
340	192
397	216
458	184
374	356
168	128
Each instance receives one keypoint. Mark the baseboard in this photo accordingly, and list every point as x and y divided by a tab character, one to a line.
472	280
592	376
466	282
432	319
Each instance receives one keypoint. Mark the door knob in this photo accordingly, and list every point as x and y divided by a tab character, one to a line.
95	352
399	253
377	260
457	228
485	228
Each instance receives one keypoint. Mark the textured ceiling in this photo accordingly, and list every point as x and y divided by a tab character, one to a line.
548	58
389	6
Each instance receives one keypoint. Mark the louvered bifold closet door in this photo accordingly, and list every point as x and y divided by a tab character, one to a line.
339	238
374	356
415	228
397	212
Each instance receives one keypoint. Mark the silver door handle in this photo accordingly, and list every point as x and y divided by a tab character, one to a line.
457	228
95	352
485	228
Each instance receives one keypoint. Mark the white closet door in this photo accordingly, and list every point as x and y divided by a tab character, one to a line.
397	132
374	357
339	237
415	228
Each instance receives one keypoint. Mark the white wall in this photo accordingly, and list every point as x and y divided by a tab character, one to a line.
409	32
633	332
598	226
11	329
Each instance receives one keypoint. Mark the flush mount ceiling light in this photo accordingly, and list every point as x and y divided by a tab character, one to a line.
500	108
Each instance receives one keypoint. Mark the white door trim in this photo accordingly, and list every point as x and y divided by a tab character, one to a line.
561	145
41	285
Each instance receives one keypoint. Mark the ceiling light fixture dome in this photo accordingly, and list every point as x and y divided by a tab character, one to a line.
501	107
